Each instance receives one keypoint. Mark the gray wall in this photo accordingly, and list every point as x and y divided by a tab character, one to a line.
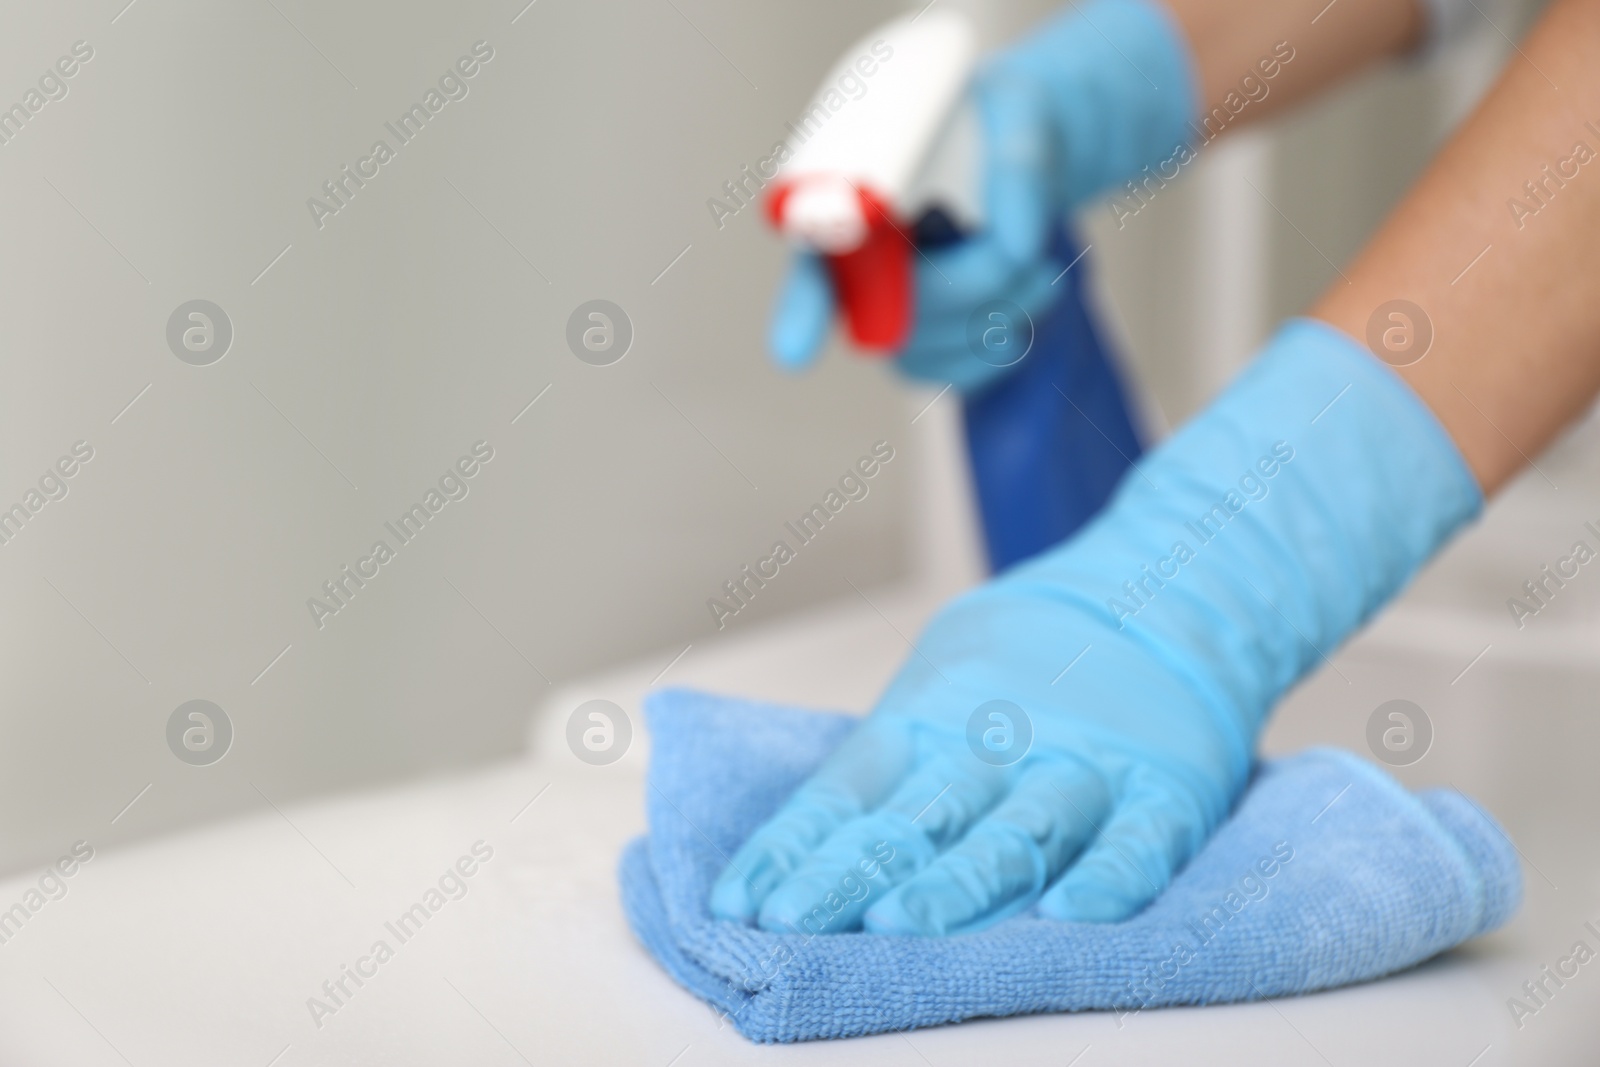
423	317
418	320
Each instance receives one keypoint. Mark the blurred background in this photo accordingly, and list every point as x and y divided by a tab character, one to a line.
371	348
355	356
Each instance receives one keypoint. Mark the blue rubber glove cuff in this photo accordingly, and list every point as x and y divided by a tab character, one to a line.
1121	85
1230	562
1242	552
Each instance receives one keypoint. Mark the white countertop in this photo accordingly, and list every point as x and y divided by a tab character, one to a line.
204	947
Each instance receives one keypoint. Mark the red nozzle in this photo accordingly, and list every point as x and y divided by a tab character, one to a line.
873	282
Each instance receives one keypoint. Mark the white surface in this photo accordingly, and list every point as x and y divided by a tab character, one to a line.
204	948
192	149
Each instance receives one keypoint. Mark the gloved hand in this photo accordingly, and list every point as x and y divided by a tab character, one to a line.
1072	732
1065	114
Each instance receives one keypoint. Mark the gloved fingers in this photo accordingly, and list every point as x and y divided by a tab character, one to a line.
1039	287
958	277
969	377
857	777
1005	861
1152	833
829	890
1015	121
946	347
949	362
1030	287
948	791
953	285
802	314
930	810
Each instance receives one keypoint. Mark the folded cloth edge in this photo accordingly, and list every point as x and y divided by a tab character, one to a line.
1479	847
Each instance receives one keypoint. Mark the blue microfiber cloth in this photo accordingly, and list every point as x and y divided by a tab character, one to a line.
1365	879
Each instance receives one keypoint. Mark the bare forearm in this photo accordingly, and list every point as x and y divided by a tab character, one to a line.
1515	354
1230	39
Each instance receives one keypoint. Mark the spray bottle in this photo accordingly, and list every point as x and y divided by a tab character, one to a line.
877	180
872	167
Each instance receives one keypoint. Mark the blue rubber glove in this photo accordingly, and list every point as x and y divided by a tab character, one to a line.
1072	732
1083	103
